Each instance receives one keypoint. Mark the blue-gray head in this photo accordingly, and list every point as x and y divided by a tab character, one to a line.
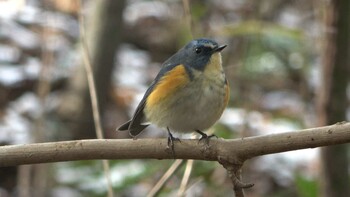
197	53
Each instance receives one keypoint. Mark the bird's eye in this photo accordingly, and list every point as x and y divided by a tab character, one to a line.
198	50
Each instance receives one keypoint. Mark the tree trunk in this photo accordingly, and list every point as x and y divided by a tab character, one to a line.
103	36
332	104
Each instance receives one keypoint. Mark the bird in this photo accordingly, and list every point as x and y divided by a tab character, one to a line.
189	94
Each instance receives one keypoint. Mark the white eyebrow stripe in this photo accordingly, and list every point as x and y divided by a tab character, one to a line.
209	45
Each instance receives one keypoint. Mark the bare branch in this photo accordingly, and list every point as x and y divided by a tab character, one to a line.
185	178
234	151
169	173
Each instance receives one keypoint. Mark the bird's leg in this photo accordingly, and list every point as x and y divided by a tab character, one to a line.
205	136
171	140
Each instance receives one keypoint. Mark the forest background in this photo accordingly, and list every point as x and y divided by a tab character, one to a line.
287	62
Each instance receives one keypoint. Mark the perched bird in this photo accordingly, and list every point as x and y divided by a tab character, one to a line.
189	93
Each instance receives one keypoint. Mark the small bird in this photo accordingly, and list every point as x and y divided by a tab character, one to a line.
189	93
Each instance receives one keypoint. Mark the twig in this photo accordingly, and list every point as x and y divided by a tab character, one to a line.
90	76
187	15
165	178
170	172
188	170
185	178
93	95
234	172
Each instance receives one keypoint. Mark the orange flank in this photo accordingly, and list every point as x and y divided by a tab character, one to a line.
169	83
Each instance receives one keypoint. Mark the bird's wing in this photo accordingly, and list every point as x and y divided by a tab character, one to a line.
136	125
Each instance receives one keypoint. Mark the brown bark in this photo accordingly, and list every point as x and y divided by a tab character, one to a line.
230	153
234	151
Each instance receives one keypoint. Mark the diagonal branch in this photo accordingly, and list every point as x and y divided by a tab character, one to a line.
234	151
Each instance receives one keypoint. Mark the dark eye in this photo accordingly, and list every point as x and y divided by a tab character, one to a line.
198	50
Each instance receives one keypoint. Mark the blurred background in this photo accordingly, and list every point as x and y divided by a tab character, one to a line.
288	64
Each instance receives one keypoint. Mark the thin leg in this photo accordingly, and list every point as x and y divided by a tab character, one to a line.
205	136
171	140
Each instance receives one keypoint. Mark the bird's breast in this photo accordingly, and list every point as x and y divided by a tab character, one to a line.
185	104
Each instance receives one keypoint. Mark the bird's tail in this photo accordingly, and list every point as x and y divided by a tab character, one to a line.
134	130
124	127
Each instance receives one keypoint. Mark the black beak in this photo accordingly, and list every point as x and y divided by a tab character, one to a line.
220	48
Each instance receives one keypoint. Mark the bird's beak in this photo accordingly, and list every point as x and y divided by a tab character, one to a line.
220	48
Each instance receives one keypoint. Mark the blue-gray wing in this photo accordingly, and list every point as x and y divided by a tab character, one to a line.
137	124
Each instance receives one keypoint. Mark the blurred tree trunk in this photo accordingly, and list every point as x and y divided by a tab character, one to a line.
103	36
332	104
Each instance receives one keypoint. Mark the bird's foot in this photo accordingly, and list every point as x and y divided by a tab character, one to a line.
171	140
205	137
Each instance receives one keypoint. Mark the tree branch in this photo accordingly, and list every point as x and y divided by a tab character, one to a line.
235	151
230	153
